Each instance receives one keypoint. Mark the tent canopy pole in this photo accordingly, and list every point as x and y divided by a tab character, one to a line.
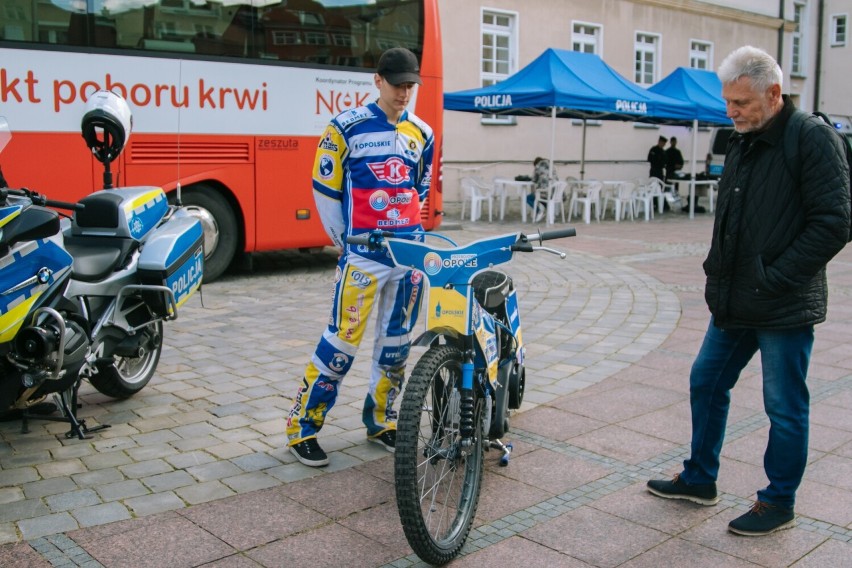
583	153
694	172
552	138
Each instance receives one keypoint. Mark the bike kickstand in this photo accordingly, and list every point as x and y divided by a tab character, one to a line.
505	448
68	404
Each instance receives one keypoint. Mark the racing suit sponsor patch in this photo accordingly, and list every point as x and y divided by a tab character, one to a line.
327	144
326	167
393	170
384	208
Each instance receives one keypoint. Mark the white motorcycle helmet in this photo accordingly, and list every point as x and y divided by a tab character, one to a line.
106	125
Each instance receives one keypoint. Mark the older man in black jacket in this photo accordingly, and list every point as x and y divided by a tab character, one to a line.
766	286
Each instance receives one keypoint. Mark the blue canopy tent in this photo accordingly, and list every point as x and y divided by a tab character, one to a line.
704	90
571	84
700	87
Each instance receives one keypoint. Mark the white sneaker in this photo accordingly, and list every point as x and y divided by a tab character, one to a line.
539	216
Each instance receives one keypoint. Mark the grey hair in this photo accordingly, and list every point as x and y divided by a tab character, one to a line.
754	63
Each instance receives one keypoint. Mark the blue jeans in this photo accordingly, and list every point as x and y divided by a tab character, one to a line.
531	201
784	356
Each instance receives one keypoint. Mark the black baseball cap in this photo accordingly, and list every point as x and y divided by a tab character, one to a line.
398	65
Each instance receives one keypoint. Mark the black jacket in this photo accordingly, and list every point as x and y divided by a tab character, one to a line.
657	157
773	235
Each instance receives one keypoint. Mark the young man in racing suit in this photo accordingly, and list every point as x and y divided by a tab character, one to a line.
372	170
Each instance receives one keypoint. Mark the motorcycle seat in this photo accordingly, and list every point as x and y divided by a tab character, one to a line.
95	258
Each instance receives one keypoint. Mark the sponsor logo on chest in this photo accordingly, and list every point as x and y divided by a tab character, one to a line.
393	170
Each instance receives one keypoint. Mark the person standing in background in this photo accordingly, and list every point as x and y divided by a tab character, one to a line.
674	159
657	157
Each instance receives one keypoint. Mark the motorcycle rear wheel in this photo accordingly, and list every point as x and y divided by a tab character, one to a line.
125	376
437	486
219	225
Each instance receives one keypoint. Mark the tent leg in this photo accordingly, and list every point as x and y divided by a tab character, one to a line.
583	153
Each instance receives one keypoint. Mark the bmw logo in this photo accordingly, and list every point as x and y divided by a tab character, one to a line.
43	275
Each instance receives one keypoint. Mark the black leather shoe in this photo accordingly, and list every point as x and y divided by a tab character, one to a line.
763	519
676	488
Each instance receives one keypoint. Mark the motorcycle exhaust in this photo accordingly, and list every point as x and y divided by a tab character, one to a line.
136	346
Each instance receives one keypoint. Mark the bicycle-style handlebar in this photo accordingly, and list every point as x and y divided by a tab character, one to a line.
556	234
525	242
39	199
374	239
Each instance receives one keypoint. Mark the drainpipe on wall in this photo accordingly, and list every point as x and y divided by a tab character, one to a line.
818	73
780	57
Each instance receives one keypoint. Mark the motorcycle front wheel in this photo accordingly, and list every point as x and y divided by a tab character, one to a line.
437	480
122	377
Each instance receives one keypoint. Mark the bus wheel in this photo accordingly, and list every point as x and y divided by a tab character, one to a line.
220	228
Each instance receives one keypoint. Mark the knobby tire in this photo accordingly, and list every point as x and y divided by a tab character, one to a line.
437	488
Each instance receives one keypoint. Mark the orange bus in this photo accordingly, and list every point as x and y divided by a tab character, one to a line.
229	98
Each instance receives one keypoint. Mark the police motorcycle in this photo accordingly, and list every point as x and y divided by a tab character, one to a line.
85	297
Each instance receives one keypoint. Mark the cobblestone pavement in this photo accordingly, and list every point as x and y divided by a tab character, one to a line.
194	470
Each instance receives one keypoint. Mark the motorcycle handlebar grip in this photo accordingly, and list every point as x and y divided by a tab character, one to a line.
358	239
374	240
19	192
39	199
558	234
64	205
522	247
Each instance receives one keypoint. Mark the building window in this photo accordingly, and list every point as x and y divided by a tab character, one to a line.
797	66
285	38
838	30
343	40
498	53
587	38
14	13
647	51
165	30
700	54
316	38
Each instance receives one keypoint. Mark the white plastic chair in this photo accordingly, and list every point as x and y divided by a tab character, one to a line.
712	189
622	200
657	188
540	196
587	194
477	191
551	198
643	197
643	203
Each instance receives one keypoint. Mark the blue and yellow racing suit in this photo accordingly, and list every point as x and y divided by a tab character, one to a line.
368	174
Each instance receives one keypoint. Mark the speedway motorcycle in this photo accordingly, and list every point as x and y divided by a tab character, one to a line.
459	396
85	297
